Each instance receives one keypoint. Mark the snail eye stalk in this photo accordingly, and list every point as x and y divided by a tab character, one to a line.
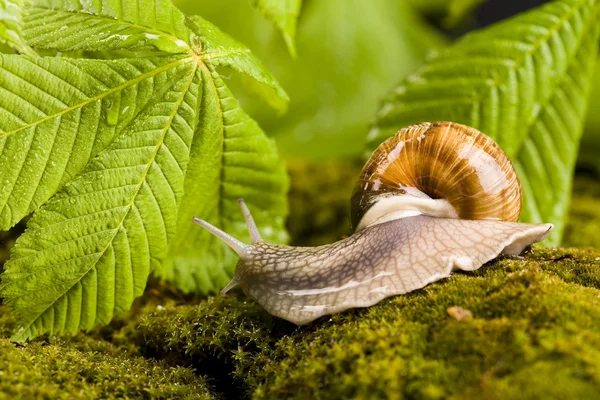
240	248
254	233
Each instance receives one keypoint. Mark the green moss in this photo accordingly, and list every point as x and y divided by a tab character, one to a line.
535	331
86	367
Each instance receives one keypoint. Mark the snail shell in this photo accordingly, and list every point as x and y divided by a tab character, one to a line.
434	198
463	169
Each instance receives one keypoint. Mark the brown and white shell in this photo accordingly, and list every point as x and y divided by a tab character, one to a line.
441	160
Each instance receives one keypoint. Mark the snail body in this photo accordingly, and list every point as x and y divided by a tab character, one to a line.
434	198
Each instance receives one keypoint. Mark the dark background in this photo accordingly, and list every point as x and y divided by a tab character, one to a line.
494	10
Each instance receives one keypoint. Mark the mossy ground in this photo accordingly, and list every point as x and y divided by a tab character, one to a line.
524	328
534	333
89	367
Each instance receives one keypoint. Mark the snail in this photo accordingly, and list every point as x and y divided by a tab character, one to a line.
434	198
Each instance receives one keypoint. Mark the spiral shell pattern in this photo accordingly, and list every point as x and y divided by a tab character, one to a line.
442	160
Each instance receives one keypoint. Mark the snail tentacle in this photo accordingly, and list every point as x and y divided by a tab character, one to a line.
240	248
252	229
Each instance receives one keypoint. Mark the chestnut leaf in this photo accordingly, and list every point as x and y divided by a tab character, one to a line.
525	83
65	25
115	156
284	14
11	22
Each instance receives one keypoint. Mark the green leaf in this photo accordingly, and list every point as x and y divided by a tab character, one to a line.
99	150
459	11
227	52
524	82
350	54
11	22
57	114
250	168
430	7
590	141
87	252
65	25
284	14
547	159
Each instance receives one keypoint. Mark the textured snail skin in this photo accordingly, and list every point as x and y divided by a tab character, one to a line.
300	284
